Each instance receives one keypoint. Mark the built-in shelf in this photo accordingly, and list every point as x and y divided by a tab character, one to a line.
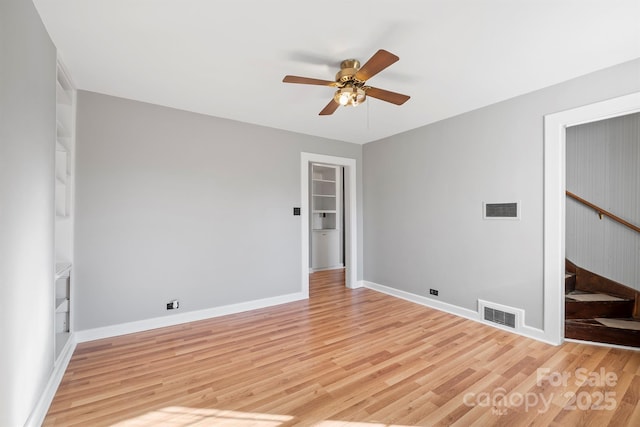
61	339
64	181
63	96
62	130
62	305
62	268
325	216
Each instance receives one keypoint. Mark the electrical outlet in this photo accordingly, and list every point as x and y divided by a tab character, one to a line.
433	292
172	305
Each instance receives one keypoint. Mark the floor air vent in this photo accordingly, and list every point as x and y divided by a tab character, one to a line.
501	315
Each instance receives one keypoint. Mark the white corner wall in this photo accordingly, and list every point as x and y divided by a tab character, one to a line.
424	189
177	205
27	141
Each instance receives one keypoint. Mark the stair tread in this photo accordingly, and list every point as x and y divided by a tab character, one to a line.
629	324
592	321
582	296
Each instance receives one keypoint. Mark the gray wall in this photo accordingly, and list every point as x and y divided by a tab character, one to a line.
27	141
424	190
172	204
603	167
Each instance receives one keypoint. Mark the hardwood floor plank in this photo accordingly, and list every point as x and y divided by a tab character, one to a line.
342	358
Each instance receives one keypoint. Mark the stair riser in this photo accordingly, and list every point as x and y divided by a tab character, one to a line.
602	334
592	309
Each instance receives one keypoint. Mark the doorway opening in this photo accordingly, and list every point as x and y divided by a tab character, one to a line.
326	217
555	126
602	241
350	246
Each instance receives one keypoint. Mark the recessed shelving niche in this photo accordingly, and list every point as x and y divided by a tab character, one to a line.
64	191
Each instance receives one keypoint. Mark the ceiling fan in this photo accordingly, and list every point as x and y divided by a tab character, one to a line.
351	82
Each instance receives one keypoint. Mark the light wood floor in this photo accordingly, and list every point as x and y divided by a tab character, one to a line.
344	358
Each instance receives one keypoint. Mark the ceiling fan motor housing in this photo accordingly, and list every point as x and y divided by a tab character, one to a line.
348	69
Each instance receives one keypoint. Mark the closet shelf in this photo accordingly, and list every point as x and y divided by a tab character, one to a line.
62	95
62	305
62	269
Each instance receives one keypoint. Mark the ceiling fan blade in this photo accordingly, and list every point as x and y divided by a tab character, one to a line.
329	109
308	81
386	95
378	62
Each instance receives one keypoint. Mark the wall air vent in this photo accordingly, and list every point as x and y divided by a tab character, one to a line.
500	315
501	210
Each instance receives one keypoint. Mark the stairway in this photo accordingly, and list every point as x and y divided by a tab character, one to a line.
600	310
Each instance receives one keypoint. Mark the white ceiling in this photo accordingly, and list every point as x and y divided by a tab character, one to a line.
227	58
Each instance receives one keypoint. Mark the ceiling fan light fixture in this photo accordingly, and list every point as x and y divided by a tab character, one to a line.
349	95
351	80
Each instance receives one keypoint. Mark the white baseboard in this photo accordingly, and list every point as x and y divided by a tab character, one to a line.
177	319
335	267
42	406
358	284
422	300
526	331
602	344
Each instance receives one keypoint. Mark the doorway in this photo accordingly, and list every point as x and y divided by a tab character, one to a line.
554	200
326	217
350	217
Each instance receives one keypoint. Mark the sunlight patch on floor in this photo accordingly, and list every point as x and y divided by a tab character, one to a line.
180	416
354	424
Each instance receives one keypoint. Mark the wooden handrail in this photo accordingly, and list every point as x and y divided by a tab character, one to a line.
602	212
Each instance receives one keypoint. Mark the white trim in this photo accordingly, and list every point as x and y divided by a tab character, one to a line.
42	406
350	212
422	300
554	200
177	319
337	267
526	331
602	344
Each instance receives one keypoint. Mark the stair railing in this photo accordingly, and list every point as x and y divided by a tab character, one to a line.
602	212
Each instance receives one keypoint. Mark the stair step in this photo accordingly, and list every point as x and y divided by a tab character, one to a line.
593	297
593	330
599	309
589	305
628	324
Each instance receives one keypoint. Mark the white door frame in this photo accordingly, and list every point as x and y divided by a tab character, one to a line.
350	216
555	126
